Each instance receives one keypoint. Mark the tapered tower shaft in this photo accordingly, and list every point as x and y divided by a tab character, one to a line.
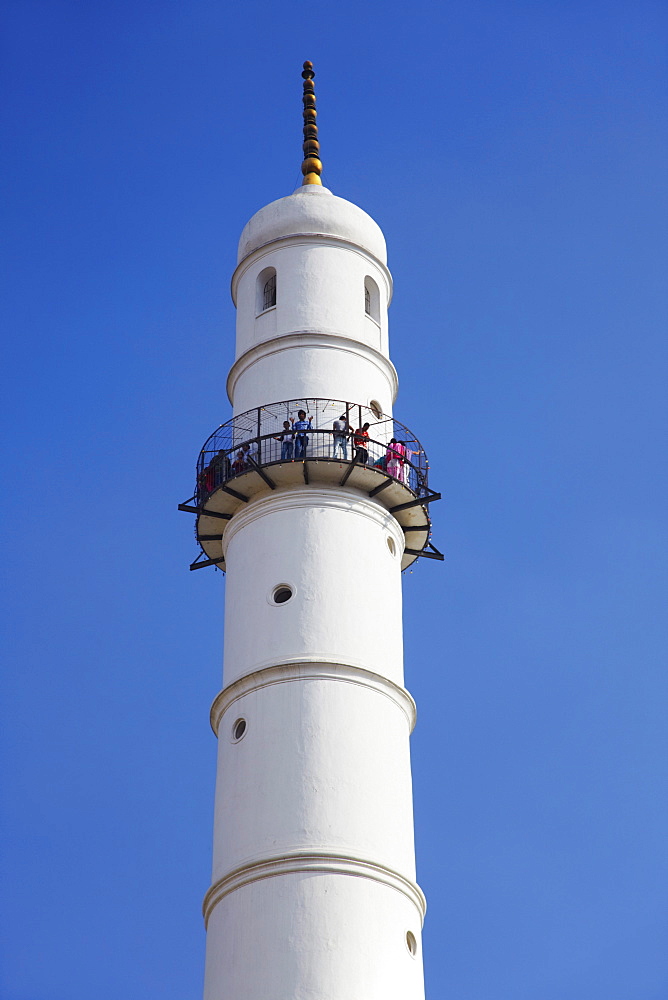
312	515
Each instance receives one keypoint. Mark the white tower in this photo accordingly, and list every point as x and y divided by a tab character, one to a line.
313	894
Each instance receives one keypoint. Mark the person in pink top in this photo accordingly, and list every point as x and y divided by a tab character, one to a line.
395	457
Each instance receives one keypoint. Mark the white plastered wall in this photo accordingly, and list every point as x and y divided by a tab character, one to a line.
331	547
314	937
319	287
323	766
319	312
306	365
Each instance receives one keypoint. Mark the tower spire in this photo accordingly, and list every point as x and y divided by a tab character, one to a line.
311	165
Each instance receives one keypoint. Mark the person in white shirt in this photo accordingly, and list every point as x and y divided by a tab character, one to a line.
341	430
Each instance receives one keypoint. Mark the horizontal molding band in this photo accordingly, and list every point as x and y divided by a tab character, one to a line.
307	670
299	339
317	862
308	239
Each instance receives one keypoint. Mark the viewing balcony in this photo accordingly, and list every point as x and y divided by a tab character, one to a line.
255	452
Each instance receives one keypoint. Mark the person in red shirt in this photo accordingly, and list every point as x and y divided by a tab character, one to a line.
361	441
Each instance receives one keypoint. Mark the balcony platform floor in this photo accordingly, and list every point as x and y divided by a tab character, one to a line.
314	472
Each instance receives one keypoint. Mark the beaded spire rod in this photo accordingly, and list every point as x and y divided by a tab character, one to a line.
311	165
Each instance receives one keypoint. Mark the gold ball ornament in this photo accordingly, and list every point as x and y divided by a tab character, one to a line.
311	165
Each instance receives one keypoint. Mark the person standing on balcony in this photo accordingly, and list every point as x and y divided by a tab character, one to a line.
301	440
361	441
408	454
286	439
395	458
250	454
219	468
341	431
239	462
214	474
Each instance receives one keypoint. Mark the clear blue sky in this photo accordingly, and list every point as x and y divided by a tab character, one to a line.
515	156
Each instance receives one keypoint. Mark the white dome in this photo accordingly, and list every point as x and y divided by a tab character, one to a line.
315	210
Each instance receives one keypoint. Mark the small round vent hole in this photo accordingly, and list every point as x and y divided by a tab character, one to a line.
391	546
238	730
411	943
282	594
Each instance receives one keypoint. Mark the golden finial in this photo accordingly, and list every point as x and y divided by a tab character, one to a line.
311	166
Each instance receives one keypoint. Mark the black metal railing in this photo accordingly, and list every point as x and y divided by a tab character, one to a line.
259	438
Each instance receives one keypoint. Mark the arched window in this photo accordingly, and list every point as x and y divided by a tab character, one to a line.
371	299
269	292
265	296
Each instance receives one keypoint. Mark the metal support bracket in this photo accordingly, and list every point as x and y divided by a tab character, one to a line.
434	554
234	493
206	562
383	486
202	510
416	503
349	469
260	471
